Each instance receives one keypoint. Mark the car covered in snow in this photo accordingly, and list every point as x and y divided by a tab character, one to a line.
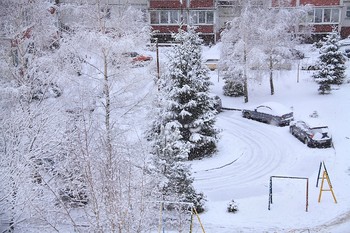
271	112
212	63
312	132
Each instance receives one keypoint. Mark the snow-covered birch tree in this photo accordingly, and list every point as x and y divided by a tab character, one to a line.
105	99
261	39
276	39
239	39
28	118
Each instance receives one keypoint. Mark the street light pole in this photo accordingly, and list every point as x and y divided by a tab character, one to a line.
157	56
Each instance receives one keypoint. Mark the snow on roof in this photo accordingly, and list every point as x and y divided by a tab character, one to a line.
314	122
277	108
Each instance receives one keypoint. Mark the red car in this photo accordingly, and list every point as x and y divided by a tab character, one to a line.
138	59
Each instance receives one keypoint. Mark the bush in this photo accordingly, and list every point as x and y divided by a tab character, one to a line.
232	88
232	207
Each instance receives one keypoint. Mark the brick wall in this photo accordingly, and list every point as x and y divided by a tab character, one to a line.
320	2
305	2
166	4
201	3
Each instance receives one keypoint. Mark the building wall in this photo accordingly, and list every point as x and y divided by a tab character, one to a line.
222	10
305	2
167	15
320	2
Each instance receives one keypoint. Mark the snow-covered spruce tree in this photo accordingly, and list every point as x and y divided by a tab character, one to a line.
331	64
188	88
170	152
184	120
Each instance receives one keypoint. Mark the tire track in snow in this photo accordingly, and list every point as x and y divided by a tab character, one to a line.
264	151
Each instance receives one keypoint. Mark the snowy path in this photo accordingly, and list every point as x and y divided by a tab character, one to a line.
260	150
249	153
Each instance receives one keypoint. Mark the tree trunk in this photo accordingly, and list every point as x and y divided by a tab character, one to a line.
271	77
245	77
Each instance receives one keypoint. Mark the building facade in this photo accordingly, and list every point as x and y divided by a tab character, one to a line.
324	15
166	16
211	16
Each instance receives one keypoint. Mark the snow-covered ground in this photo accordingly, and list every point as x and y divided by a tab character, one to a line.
250	152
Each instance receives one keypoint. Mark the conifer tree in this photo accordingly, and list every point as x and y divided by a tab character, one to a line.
184	123
188	88
331	64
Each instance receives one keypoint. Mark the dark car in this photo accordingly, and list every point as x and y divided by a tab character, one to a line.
271	112
313	133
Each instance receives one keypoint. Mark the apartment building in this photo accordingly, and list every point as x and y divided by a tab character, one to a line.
324	14
167	15
211	16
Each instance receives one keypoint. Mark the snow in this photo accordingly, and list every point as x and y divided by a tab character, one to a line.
275	108
315	122
251	152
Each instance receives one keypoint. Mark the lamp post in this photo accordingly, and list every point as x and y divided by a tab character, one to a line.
157	57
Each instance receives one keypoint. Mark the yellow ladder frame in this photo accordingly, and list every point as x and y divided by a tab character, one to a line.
326	177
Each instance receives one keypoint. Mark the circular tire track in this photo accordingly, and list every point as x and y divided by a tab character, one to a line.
264	151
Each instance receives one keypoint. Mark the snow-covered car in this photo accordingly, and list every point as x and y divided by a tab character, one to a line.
212	63
271	112
313	133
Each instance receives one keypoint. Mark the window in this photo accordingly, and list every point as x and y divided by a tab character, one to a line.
202	17
326	15
165	17
335	16
348	12
154	17
318	16
174	17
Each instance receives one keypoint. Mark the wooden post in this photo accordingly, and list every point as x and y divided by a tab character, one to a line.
191	223
199	220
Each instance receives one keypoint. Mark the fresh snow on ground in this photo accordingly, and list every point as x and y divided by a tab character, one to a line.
250	152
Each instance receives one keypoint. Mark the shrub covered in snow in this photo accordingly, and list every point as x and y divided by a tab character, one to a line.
232	207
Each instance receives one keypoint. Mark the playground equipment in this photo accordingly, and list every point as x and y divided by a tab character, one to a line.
290	177
174	216
324	177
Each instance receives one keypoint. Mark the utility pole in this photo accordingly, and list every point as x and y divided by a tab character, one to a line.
157	56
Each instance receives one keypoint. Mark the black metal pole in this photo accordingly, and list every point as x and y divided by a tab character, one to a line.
270	193
318	175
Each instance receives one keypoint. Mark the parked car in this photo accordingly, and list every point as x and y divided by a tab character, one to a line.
313	133
271	112
138	59
212	64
